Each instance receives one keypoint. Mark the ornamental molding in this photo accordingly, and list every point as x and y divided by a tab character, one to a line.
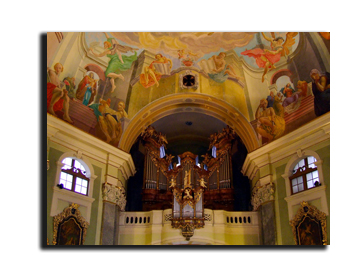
70	212
293	143
262	194
191	73
114	194
307	210
84	144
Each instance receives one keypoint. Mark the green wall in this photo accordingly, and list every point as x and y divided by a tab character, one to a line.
54	156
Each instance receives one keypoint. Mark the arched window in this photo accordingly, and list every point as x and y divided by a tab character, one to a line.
73	176
74	182
305	175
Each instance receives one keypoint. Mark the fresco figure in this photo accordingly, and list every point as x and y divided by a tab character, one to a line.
187	57
222	70
321	91
70	86
151	76
287	90
118	62
110	120
266	58
87	89
271	99
57	95
271	125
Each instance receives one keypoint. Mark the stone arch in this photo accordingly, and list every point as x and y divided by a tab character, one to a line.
95	68
280	73
195	102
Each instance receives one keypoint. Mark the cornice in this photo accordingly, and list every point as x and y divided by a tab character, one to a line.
63	133
304	137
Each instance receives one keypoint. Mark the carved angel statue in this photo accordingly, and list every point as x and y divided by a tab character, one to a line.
148	132
266	58
187	193
202	183
213	139
173	183
162	139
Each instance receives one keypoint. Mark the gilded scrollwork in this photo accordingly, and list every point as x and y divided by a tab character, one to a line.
114	194
70	212
308	236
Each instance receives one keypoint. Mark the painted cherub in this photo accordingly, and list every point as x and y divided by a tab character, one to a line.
267	58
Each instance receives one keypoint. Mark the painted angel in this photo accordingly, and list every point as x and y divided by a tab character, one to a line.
266	58
118	62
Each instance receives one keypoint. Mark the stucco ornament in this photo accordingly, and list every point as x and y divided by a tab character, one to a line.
262	194
115	195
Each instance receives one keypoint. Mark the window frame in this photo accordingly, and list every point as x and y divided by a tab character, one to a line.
76	173
302	172
60	195
315	193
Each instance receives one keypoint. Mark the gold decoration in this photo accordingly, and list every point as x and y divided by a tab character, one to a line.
314	215
70	213
188	226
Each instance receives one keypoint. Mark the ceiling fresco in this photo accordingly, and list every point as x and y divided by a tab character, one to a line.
195	46
109	83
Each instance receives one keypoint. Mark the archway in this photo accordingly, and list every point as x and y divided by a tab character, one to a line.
192	102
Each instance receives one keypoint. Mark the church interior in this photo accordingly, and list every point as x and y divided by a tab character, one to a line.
188	138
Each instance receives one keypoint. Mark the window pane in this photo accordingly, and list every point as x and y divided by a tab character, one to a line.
301	163
309	176
67	163
294	182
62	181
68	185
69	177
295	189
299	180
77	188
63	176
310	184
76	164
311	160
78	181
84	183
83	190
82	168
301	187
315	175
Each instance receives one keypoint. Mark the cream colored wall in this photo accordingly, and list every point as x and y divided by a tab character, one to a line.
114	167
215	232
268	164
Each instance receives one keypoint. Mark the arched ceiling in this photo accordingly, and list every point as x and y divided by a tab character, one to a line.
188	131
173	105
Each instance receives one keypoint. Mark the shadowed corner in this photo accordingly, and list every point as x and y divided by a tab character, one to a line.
43	143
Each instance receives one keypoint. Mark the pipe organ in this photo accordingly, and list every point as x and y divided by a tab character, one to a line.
215	169
187	187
